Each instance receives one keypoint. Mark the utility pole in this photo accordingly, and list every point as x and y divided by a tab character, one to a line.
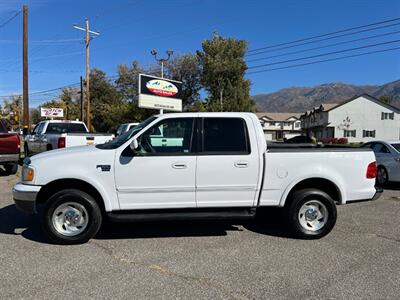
82	107
25	69
88	38
162	61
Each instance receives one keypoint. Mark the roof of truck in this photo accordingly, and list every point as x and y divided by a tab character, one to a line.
203	114
61	121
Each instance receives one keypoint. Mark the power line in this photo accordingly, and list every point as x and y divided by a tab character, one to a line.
55	89
325	60
323	54
324	39
325	34
10	19
325	46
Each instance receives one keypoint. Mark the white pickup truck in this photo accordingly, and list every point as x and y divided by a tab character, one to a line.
205	166
49	135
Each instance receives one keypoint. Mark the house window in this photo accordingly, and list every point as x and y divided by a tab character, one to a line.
272	123
297	124
387	116
349	133
369	133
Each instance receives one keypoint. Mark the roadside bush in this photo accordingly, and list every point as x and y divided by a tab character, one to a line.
334	141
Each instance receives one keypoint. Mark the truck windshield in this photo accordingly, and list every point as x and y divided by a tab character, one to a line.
120	140
58	128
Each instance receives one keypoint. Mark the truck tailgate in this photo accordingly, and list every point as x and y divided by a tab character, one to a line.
9	143
79	139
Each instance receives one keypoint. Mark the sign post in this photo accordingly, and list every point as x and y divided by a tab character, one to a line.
159	93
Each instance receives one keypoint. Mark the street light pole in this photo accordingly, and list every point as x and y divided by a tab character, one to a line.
162	61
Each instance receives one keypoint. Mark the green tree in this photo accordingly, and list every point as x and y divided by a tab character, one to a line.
13	110
223	69
70	99
386	99
185	68
107	104
34	115
127	85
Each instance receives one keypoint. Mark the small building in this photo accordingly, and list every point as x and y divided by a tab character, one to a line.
279	126
360	119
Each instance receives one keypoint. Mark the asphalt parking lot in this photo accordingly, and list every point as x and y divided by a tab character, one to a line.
359	259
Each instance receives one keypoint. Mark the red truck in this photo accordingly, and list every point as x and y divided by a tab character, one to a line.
9	149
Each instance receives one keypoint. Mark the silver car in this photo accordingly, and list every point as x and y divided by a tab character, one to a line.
387	155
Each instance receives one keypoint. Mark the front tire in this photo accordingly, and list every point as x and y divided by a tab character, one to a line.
11	169
71	217
26	151
311	214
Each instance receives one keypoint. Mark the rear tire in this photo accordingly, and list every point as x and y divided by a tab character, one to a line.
382	177
311	214
11	169
71	217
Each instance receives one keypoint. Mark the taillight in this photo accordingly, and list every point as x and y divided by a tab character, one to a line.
61	142
371	170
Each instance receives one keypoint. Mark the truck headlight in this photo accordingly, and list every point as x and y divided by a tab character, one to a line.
27	173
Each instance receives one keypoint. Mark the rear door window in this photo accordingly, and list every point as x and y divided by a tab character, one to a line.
225	136
58	128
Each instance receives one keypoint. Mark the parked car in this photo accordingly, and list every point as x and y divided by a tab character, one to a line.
49	135
125	128
299	139
192	166
388	160
9	149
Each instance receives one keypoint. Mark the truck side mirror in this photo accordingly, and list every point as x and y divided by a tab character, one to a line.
134	145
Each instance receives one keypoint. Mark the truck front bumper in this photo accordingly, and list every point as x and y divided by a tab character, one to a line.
9	158
25	197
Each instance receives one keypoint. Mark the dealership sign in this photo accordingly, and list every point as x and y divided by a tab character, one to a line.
160	93
51	112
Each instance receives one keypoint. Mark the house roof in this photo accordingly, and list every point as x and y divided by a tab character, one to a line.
332	106
369	97
328	106
278	116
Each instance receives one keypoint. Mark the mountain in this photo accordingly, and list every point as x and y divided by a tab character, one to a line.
301	99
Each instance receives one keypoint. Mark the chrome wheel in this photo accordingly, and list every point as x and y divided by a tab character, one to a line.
70	219
313	215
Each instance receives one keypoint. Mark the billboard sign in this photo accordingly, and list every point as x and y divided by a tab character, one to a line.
51	112
160	93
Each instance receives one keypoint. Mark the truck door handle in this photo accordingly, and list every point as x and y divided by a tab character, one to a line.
241	164
179	165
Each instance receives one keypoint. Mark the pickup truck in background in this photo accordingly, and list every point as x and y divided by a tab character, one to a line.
10	149
49	135
125	128
192	166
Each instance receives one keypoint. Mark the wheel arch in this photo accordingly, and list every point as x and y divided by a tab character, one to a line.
324	184
60	184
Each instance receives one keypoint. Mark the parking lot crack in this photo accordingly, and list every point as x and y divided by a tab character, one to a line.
206	282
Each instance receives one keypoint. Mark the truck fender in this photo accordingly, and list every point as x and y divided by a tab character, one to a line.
312	176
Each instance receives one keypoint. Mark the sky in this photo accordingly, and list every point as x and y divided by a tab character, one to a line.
131	28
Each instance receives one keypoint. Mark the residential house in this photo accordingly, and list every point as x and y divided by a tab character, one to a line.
359	119
279	126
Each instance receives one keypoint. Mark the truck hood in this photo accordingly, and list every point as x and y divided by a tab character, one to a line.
76	162
65	152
